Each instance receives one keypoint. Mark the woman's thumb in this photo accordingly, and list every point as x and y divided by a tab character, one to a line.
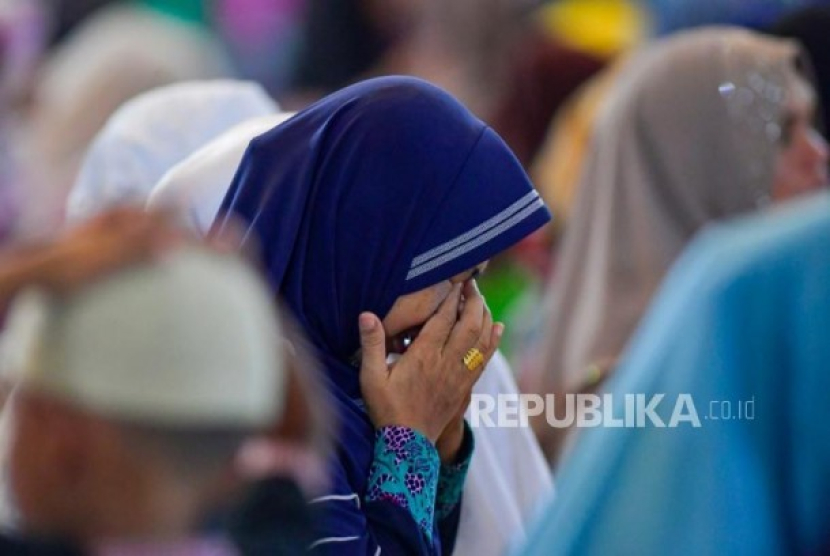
373	344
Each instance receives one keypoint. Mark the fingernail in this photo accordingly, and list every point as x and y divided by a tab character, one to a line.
498	329
366	322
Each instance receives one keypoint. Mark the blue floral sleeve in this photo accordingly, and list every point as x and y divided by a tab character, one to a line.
405	472
452	477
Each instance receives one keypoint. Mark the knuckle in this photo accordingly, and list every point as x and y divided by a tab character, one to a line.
474	330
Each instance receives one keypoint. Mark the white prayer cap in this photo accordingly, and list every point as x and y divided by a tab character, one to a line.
151	133
191	340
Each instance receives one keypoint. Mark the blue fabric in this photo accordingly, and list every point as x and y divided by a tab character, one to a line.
744	316
381	189
673	15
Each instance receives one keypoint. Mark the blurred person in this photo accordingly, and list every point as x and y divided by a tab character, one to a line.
811	28
151	133
375	209
502	490
125	429
740	327
700	127
121	51
65	263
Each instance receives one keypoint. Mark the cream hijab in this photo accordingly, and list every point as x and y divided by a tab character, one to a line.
688	136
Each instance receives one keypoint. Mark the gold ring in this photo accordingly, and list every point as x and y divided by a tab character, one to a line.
473	359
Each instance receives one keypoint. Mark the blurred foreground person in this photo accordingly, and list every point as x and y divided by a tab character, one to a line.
701	127
746	474
133	396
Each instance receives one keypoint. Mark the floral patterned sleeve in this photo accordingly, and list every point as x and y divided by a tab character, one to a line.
405	472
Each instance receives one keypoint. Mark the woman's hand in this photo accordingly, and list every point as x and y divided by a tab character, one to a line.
429	386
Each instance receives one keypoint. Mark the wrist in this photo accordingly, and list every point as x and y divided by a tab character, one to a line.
404	424
450	442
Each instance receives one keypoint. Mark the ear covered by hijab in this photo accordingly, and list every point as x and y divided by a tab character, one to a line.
379	190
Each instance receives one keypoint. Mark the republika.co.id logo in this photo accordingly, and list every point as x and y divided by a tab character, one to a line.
607	410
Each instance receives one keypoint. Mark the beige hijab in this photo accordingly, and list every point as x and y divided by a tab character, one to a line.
688	136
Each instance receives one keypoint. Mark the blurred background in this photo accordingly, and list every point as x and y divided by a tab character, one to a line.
533	70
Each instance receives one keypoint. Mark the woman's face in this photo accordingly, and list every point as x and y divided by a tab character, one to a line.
409	313
801	164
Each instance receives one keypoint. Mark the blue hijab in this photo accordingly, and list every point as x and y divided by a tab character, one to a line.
742	325
381	189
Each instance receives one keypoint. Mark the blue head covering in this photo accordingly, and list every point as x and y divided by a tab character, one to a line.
742	326
379	190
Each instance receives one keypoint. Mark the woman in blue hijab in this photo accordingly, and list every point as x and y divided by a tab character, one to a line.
742	330
375	209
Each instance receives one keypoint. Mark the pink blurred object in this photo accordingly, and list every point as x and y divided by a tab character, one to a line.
23	32
254	22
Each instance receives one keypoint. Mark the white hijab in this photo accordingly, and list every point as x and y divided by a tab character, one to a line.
508	476
195	188
151	133
689	135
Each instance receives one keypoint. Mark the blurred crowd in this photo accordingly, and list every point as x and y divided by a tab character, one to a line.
258	256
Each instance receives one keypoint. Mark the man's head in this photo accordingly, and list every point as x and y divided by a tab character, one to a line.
135	393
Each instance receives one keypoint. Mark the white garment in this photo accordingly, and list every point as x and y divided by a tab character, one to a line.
195	188
508	477
153	132
507	481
